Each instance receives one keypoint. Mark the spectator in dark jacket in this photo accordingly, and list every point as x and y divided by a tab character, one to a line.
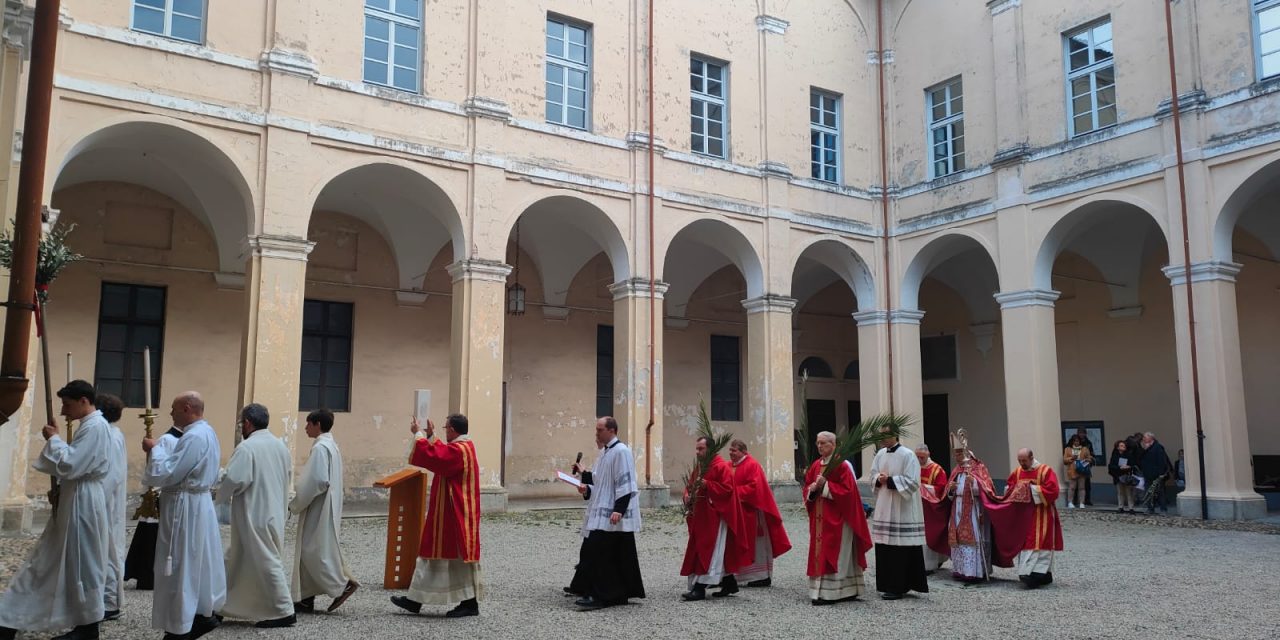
1124	492
1156	469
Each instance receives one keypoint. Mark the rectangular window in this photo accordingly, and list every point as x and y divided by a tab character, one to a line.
177	19
604	370
1091	78
1266	24
726	378
945	105
130	319
326	356
392	41
938	358
824	136
568	73
708	107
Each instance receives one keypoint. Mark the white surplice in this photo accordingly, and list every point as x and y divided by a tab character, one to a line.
117	499
257	487
318	565
61	583
189	574
898	518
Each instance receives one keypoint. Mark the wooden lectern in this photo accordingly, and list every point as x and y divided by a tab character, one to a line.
405	519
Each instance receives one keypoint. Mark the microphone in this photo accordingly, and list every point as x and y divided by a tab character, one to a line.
576	462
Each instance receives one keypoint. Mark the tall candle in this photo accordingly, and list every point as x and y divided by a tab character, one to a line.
69	378
146	376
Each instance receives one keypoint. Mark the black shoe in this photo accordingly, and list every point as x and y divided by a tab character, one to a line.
766	582
406	604
287	621
728	587
202	625
847	599
176	636
111	615
306	605
699	592
589	603
81	632
468	607
891	596
8	634
819	602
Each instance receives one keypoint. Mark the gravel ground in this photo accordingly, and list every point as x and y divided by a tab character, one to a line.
1119	574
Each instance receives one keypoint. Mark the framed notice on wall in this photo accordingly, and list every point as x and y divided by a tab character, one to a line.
1095	431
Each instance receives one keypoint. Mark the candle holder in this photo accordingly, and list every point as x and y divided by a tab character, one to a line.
149	507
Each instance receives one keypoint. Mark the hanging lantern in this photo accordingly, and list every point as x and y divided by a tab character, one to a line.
515	292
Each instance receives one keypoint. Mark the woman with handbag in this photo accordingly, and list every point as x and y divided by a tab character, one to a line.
1078	460
1121	470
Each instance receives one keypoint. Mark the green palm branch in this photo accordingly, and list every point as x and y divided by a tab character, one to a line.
865	434
715	444
53	256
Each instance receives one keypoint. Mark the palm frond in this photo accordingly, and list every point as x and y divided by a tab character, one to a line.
807	451
715	442
868	433
52	257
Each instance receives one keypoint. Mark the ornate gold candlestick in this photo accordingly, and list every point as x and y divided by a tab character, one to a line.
150	505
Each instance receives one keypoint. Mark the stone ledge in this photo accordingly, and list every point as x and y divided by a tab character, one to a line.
658	495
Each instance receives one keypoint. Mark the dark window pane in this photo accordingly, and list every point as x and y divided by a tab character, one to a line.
338	350
335	398
325	372
309	397
115	301
310	373
111	337
131	319
938	358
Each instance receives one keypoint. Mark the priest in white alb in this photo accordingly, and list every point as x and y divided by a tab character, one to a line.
897	524
190	579
256	486
318	565
61	583
112	409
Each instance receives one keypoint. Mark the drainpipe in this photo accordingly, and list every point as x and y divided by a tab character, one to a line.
26	227
884	192
1176	113
653	296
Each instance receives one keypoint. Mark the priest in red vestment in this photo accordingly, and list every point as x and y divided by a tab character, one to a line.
933	497
716	544
1036	483
838	534
765	537
448	568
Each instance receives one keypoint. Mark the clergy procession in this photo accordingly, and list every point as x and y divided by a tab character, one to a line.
919	520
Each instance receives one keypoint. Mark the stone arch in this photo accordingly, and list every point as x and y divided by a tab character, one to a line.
938	250
562	232
722	244
815	367
413	213
1111	252
843	259
170	157
1259	184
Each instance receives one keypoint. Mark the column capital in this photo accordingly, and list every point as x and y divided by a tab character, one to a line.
1027	298
871	318
1209	271
772	24
18	19
638	288
295	63
282	247
477	269
906	316
769	303
997	7
484	107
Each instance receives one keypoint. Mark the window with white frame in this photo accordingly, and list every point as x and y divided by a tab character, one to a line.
1091	78
707	106
177	19
392	41
1266	24
824	136
945	105
568	72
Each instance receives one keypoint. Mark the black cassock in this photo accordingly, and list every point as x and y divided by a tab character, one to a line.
608	566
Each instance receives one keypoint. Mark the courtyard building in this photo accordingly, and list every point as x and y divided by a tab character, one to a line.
967	212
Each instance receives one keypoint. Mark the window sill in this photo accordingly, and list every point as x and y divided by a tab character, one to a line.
194	43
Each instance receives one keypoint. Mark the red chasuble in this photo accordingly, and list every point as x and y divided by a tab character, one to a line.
937	507
756	498
716	501
452	530
1045	533
827	518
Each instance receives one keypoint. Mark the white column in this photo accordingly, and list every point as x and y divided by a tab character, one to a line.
632	396
873	367
1031	376
1227	458
770	399
908	383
